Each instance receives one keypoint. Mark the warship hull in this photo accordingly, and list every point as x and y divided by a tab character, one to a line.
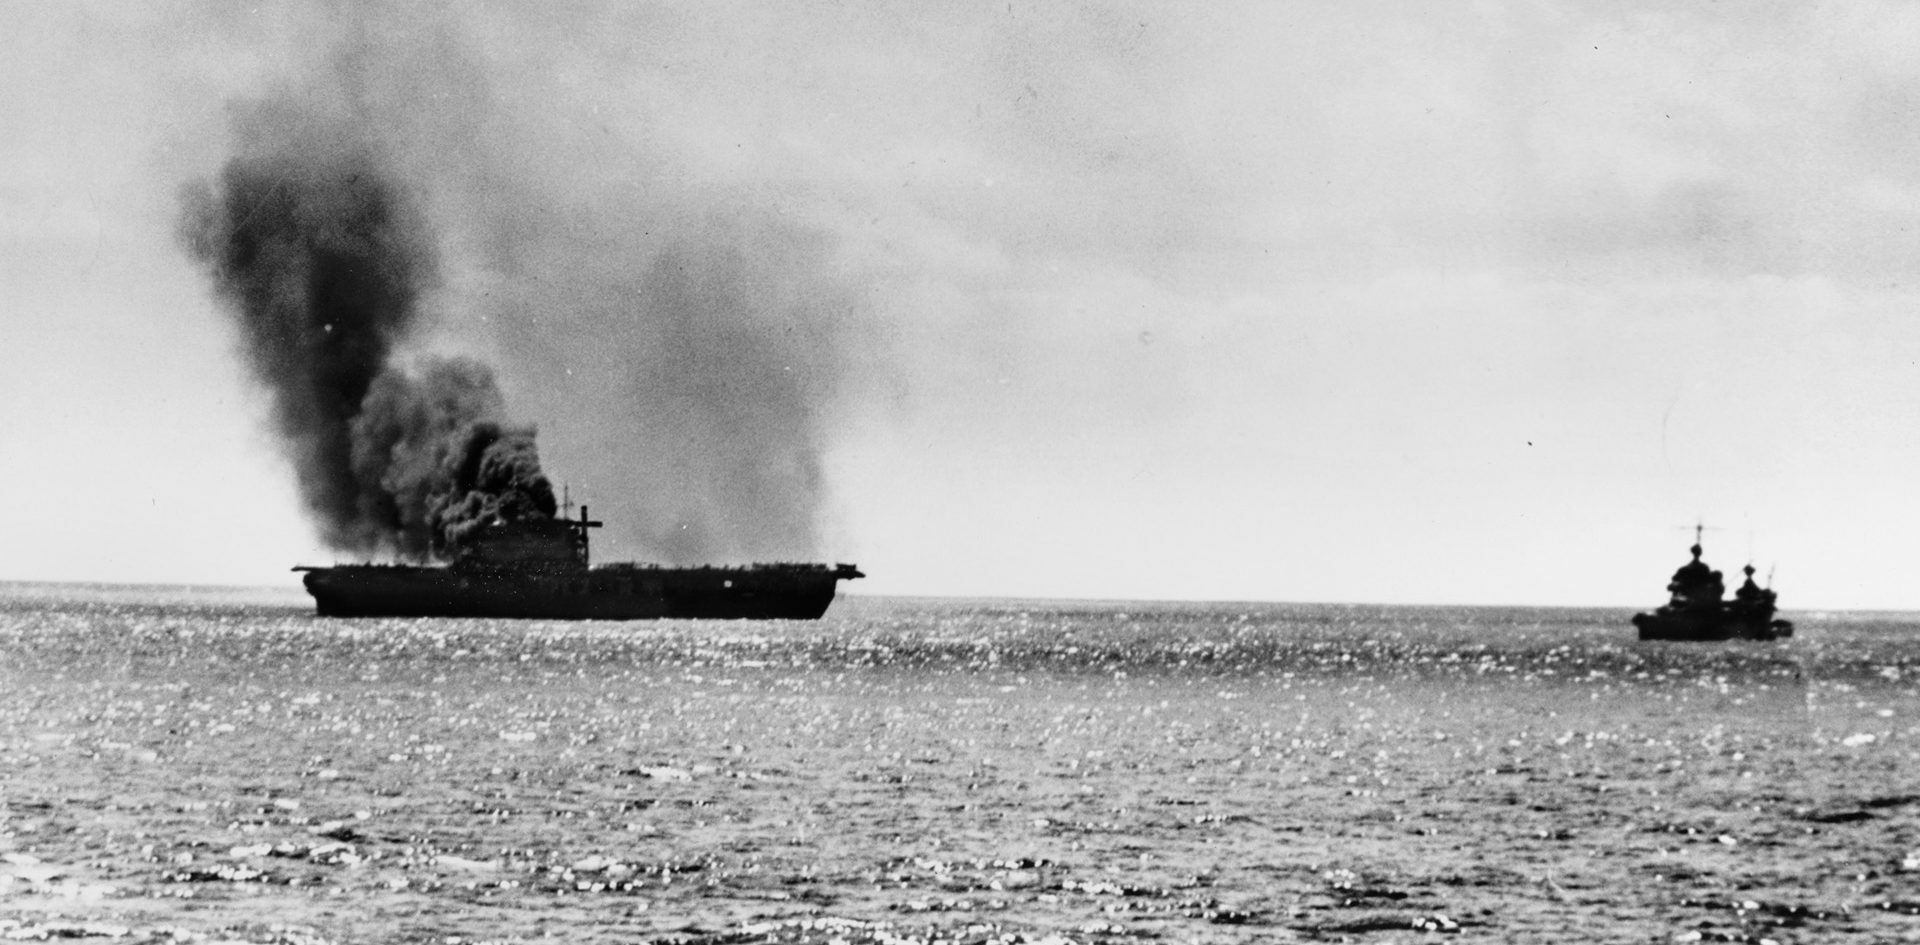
1664	624
1697	611
612	592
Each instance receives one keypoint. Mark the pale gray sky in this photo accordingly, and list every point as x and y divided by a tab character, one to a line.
1361	302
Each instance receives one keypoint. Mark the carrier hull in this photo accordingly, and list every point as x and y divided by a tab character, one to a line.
614	592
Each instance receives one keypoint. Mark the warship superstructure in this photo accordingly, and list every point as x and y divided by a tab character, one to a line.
539	568
1697	609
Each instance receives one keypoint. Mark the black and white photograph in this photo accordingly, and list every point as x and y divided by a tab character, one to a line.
855	472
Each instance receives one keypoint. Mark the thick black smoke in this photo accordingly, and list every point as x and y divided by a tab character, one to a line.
491	473
434	462
322	262
687	319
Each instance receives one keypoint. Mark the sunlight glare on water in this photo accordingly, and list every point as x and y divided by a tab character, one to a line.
223	766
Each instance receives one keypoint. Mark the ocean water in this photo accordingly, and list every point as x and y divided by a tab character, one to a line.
181	765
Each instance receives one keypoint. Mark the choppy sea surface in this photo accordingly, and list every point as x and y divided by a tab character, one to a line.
181	765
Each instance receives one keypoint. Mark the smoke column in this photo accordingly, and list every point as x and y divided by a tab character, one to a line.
689	326
684	328
322	261
434	462
695	344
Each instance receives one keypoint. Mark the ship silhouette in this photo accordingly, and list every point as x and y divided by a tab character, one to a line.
1697	611
539	567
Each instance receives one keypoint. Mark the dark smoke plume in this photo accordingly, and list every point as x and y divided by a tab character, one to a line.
434	462
492	474
322	262
690	329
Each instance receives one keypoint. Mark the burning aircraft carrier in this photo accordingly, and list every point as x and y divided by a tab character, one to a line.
322	258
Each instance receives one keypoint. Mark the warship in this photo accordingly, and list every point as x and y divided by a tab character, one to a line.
1696	610
539	567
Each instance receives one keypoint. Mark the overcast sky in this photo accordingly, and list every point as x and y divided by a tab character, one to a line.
1477	303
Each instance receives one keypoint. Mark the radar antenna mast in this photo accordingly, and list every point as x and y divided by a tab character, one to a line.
1699	529
580	526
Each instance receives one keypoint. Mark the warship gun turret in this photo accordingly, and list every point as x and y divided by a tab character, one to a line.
1697	609
539	567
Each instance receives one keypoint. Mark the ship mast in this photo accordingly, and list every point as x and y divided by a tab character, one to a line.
580	526
1700	530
